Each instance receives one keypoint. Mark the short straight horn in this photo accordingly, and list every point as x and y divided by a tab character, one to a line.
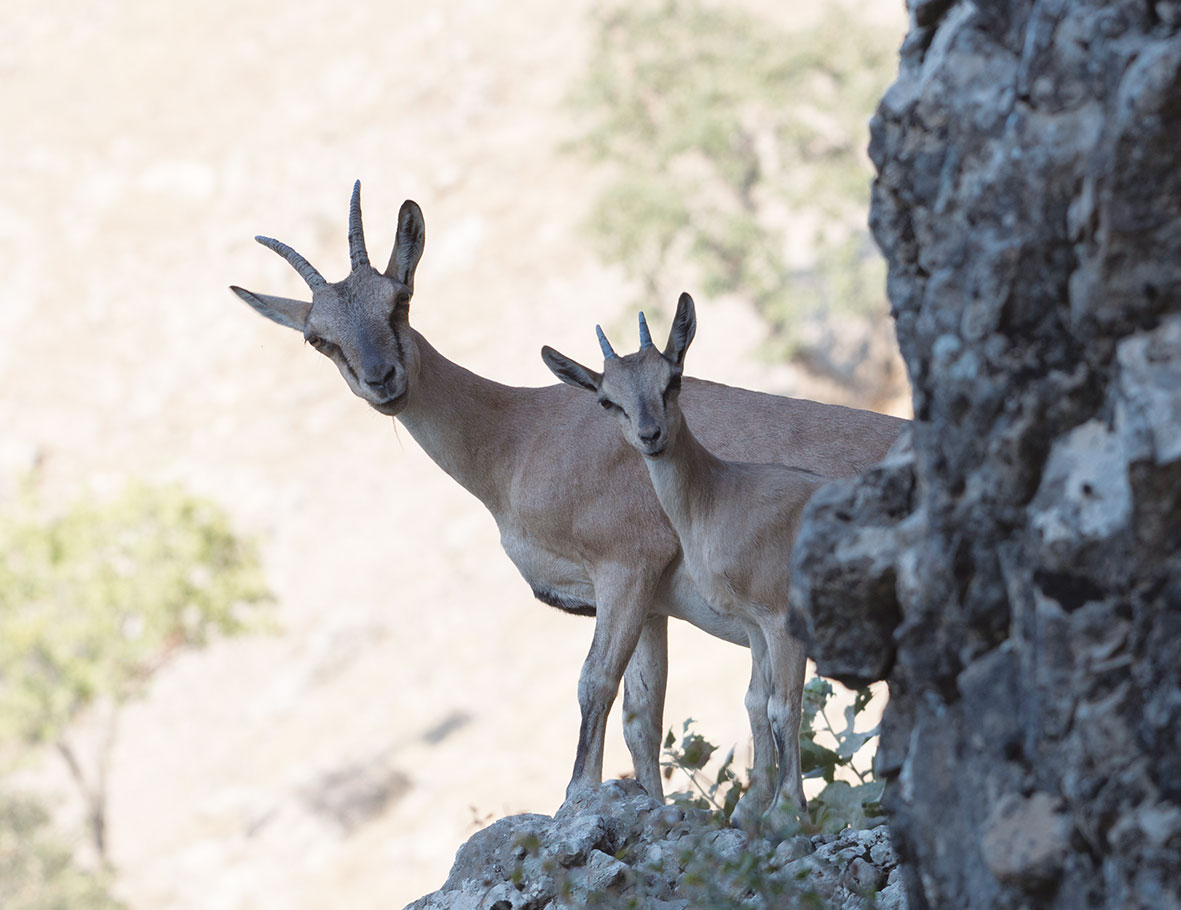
608	353
645	335
313	278
357	252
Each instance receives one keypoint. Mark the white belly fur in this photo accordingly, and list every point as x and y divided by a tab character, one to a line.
563	578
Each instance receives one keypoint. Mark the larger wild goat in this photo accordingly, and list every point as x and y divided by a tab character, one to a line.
614	557
737	524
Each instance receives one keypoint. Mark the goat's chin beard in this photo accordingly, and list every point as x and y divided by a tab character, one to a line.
392	407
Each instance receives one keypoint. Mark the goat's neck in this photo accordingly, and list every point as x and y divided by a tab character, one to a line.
464	422
684	478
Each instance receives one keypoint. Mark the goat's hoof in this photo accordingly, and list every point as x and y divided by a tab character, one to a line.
748	815
777	823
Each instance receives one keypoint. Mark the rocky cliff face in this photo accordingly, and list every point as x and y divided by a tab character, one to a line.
618	847
1016	574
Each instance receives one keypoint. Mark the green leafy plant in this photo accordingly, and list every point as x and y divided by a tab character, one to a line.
840	804
690	756
737	147
95	599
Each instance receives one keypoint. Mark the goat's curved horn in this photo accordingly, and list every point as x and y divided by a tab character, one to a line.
645	335
608	353
313	278
357	252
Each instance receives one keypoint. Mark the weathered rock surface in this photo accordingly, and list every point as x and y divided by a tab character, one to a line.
618	847
1017	574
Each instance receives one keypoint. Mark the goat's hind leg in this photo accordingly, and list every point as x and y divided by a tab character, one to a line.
756	799
788	664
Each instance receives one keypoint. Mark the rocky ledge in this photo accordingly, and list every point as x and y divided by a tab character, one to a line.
618	847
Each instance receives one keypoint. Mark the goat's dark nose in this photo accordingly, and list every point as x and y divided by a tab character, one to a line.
649	435
376	378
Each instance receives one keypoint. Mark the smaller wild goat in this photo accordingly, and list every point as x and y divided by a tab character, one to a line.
737	524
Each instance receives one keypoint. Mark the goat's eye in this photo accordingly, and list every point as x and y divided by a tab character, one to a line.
315	341
612	408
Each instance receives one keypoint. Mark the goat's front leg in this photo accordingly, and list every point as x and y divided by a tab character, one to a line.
621	605
644	684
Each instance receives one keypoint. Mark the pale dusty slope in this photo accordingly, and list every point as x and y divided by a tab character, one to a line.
144	147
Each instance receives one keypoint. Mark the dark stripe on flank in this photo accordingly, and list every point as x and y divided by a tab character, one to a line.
565	604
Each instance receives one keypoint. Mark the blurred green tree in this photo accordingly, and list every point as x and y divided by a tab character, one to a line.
97	598
37	872
738	147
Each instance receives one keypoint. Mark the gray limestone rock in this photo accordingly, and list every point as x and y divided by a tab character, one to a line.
1017	576
617	847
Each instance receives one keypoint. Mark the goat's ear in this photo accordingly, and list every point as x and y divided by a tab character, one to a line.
283	310
408	244
569	371
682	332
